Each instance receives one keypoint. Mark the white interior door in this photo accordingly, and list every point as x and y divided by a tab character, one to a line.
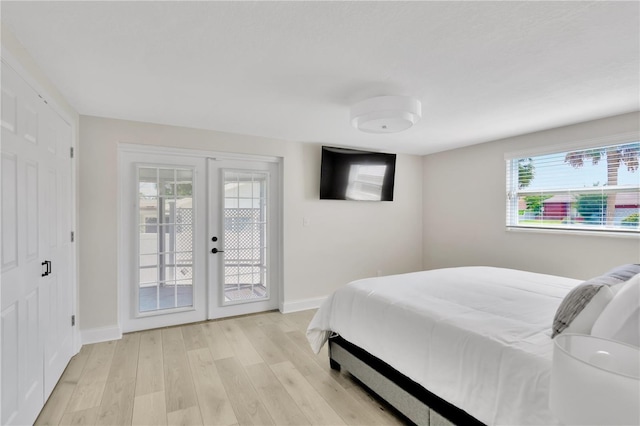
163	199
244	229
56	235
36	293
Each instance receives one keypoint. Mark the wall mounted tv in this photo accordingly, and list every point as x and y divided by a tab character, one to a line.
349	174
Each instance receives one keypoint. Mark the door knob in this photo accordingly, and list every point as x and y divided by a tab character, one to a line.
214	239
215	250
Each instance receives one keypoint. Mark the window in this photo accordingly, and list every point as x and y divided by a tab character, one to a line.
595	189
165	238
245	236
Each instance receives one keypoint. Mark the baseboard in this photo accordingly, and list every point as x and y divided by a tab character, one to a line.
102	334
302	305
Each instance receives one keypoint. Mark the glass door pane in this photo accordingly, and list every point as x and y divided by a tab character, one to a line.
165	239
245	236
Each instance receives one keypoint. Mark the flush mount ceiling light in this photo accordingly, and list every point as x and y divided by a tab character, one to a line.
386	114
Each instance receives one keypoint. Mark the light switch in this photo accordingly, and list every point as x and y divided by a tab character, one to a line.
306	221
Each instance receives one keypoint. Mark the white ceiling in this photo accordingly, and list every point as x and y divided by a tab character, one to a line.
291	70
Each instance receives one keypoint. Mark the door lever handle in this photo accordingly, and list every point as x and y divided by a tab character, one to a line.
47	264
215	250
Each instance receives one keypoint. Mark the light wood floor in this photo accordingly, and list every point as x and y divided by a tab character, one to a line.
256	369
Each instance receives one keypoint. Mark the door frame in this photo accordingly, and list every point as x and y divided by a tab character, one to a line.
126	148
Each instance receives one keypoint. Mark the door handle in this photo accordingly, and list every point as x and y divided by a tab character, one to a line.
215	250
47	264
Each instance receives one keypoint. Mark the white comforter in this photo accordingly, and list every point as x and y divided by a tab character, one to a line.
478	337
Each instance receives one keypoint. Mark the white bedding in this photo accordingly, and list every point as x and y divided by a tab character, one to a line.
478	337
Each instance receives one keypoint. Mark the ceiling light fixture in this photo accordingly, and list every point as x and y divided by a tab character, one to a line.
386	114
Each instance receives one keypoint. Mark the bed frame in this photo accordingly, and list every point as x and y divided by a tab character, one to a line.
411	399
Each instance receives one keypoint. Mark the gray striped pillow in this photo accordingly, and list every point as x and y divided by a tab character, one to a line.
580	296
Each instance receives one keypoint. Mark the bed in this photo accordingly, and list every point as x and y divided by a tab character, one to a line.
472	344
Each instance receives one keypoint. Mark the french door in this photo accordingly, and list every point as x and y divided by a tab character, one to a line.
163	215
243	237
199	238
37	298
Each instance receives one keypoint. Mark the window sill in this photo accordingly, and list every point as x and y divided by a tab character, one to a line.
564	231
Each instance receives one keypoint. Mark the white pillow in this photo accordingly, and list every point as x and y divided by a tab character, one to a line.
620	320
584	321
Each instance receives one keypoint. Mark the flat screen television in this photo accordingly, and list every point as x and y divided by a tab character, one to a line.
350	174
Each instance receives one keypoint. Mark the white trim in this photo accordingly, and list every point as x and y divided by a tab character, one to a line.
187	152
566	231
280	219
77	341
616	189
302	304
101	334
121	291
560	146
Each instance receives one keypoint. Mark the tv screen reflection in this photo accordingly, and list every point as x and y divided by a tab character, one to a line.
365	182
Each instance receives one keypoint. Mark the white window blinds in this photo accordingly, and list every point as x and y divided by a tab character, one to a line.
595	189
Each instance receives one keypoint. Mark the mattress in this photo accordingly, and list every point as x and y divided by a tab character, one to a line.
478	337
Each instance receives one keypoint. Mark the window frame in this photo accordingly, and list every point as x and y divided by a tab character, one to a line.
513	193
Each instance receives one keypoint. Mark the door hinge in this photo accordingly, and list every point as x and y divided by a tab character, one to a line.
73	320
73	236
71	152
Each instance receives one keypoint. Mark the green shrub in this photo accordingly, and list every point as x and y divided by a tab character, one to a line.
534	202
631	220
592	207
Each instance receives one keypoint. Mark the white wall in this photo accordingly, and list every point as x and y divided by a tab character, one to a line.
470	179
344	240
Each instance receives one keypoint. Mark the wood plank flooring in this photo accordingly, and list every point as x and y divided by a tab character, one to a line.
250	370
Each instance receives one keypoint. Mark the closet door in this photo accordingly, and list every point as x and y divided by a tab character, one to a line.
56	202
36	294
